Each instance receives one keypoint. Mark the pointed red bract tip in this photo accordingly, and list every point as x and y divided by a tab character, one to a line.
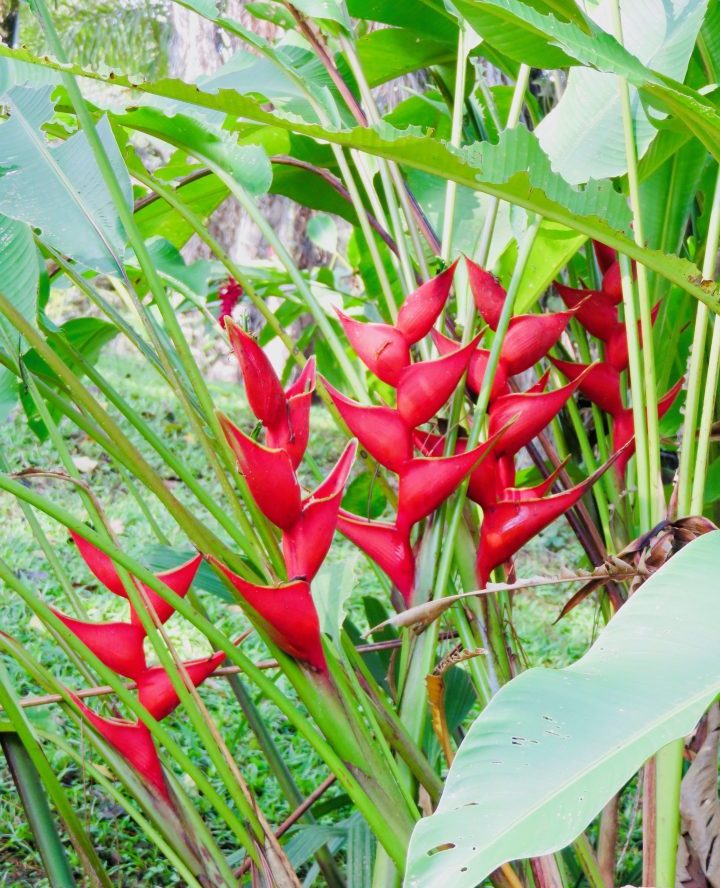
605	255
380	430
134	742
386	546
382	348
307	542
594	309
179	580
509	525
118	645
288	614
534	410
616	348
529	338
623	429
292	431
425	483
155	690
599	382
305	382
269	474
476	367
520	494
424	387
422	307
488	293
612	283
100	564
262	387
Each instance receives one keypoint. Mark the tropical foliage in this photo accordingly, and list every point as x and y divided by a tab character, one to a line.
513	320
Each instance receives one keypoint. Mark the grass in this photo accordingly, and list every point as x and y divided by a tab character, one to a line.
130	859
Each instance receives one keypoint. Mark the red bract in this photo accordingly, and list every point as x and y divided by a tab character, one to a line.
510	524
134	742
306	543
269	474
599	382
528	339
155	690
606	256
522	494
383	349
285	415
380	430
623	428
422	308
595	310
476	367
616	347
120	646
488	293
288	613
532	412
179	579
388	547
424	387
426	483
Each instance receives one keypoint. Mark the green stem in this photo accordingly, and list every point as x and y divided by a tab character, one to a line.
455	141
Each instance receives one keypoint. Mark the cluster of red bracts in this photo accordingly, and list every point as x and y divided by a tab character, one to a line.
120	647
229	294
597	311
512	515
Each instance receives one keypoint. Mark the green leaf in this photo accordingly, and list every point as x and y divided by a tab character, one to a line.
583	135
331	589
59	188
364	496
161	558
515	170
394	52
322	231
553	746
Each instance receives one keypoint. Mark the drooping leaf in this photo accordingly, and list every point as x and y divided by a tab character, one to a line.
59	188
553	746
331	589
583	134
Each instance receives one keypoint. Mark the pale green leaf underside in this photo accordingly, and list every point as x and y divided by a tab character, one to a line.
554	745
59	188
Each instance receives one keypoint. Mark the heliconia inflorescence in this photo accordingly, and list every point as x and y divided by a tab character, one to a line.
120	647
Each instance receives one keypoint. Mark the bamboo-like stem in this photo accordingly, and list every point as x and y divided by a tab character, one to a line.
455	140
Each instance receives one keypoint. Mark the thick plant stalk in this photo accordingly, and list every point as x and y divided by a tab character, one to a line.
695	367
29	787
455	139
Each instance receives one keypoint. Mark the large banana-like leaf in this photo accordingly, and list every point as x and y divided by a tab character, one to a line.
59	188
19	275
554	745
515	169
583	135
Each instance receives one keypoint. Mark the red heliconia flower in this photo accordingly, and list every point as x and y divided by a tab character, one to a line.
488	293
382	348
288	613
476	367
386	545
595	310
264	393
155	690
134	742
230	294
425	483
285	415
179	579
623	429
307	542
424	387
606	256
522	494
422	308
510	524
612	282
529	338
600	382
269	474
380	430
293	432
120	646
532	410
487	482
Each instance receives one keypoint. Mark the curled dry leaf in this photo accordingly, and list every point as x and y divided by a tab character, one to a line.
700	812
